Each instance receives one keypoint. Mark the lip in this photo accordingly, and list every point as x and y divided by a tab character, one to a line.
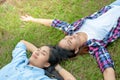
34	55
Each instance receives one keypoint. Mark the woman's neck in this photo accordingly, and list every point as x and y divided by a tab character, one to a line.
83	37
30	64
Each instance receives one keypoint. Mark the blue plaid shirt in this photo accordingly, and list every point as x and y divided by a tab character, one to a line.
96	47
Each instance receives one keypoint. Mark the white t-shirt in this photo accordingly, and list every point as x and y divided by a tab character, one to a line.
98	28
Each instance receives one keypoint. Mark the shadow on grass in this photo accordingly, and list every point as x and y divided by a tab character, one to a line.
4	36
2	1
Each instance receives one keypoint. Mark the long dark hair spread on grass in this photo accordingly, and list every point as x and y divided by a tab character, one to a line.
57	54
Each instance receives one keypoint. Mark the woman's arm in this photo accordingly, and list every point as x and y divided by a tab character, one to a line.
30	47
109	74
65	74
46	22
61	25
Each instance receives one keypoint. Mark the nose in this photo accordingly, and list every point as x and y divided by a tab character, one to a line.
37	53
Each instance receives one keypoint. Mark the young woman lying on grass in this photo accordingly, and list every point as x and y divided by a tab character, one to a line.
94	31
22	68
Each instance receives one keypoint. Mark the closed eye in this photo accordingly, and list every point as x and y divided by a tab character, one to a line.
43	53
69	42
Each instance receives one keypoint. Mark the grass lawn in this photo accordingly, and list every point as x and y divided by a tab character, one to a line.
13	30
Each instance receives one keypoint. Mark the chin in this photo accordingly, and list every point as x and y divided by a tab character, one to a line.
31	60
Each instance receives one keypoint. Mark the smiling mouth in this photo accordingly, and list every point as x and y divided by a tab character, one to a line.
34	55
75	36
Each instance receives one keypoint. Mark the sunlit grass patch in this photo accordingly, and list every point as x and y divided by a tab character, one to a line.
13	30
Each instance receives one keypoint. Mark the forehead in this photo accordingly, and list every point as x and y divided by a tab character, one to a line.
45	48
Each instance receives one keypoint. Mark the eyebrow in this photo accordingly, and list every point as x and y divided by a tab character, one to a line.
68	45
69	42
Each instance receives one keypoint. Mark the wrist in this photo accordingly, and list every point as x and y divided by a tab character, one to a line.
58	68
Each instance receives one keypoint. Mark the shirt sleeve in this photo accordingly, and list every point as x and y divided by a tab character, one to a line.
61	25
101	55
47	78
19	52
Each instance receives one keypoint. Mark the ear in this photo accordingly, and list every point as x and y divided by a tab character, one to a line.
47	64
76	50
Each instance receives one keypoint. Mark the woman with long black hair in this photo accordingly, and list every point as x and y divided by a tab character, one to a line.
22	68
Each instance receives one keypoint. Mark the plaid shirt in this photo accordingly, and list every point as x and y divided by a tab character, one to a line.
96	47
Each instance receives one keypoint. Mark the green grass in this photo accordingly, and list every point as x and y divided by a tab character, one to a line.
13	30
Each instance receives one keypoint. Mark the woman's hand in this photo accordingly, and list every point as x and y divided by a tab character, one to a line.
64	73
30	47
46	22
26	18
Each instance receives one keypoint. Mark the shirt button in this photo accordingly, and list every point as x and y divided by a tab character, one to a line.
6	75
15	68
31	68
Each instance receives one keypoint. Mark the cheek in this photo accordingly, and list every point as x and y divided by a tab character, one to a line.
40	61
74	43
77	41
43	59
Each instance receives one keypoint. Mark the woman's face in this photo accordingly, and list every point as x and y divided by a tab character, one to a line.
39	58
70	42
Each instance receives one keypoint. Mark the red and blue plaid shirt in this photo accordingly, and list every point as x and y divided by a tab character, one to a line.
96	47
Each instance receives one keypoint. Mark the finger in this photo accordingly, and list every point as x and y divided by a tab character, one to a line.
21	16
24	16
27	15
22	19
